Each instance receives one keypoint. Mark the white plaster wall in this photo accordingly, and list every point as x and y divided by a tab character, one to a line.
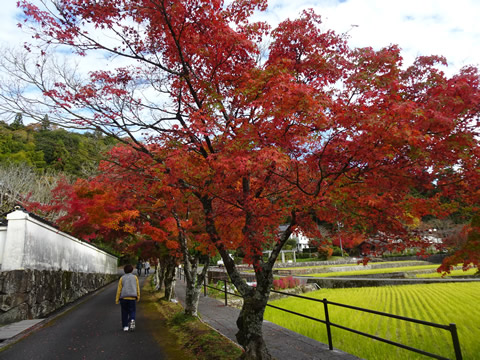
3	238
15	241
32	244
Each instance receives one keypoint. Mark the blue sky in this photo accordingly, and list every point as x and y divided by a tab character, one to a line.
419	27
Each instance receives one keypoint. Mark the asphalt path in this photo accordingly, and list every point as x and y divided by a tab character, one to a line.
91	330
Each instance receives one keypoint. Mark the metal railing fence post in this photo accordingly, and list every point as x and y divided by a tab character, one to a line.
456	341
205	285
226	300
327	323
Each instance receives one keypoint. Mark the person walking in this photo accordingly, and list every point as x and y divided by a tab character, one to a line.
139	267
128	292
147	267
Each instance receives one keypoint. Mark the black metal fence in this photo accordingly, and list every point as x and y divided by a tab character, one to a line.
452	328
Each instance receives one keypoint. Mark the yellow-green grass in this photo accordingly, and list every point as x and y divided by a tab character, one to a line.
376	271
453	273
439	303
338	265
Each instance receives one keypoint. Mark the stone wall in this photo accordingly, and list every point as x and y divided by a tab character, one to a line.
33	294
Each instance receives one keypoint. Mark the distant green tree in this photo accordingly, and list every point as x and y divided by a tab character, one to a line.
61	149
18	122
290	244
45	124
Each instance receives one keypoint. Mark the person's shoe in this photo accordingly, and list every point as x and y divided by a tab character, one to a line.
132	325
125	328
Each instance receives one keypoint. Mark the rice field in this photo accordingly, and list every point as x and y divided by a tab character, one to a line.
377	271
453	273
439	303
412	269
321	267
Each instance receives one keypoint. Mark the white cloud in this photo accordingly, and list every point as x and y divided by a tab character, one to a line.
9	18
419	27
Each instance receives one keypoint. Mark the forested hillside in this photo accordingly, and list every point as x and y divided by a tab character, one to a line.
34	157
45	147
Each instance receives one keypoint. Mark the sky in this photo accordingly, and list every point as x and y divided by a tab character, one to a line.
419	27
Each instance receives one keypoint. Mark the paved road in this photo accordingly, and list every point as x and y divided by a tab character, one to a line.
90	331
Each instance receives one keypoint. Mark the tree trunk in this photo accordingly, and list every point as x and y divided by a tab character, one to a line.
161	270
255	299
156	276
192	296
194	281
250	320
170	279
250	335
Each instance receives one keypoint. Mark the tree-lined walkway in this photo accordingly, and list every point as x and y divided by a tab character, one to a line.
90	330
282	343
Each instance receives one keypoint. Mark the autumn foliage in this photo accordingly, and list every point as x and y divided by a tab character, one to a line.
310	131
324	131
285	283
467	251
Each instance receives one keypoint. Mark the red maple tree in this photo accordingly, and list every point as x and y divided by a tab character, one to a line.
310	131
128	207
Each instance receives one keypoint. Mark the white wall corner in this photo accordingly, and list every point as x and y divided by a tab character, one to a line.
13	251
17	215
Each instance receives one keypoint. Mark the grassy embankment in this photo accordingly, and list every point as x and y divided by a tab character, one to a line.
323	270
378	271
183	337
405	269
326	267
453	273
439	303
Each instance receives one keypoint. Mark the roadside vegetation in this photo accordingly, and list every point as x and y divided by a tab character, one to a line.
183	337
439	303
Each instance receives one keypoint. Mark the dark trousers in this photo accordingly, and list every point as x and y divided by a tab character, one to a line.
128	311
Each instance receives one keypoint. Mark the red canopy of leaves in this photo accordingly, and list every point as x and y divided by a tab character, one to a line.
312	131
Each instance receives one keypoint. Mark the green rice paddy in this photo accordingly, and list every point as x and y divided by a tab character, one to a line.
377	271
439	303
453	273
337	265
